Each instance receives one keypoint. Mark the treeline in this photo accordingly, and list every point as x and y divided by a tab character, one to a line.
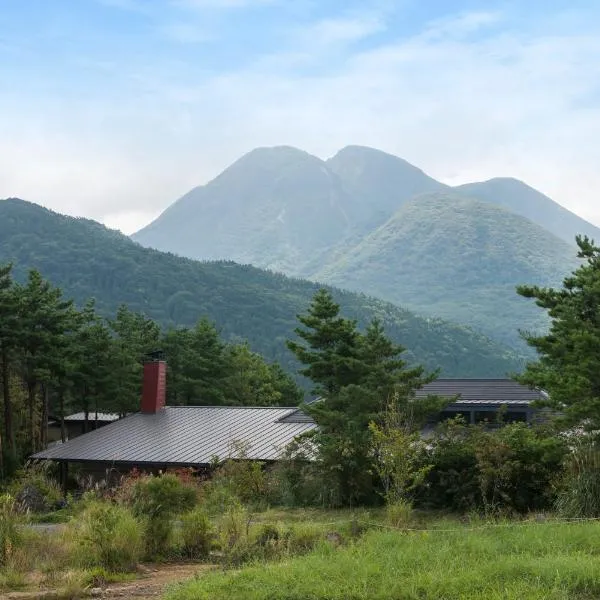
56	359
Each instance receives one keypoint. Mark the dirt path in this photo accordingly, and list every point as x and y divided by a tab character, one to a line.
152	583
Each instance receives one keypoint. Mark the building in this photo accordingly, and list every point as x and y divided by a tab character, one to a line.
75	424
161	437
481	400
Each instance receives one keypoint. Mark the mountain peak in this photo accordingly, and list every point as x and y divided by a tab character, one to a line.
522	199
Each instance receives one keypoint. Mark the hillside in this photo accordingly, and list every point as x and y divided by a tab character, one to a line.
87	260
458	258
361	219
523	200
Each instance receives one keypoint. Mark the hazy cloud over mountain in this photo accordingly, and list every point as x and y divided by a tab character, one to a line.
117	107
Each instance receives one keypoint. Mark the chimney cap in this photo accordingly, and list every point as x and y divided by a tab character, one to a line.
154	356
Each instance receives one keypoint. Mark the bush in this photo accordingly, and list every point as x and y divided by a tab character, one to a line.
196	534
508	469
155	500
239	478
296	481
579	491
108	536
399	514
34	489
10	537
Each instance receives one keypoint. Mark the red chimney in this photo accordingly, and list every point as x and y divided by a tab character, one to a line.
154	388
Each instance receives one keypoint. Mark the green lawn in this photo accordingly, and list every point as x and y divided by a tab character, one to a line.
547	561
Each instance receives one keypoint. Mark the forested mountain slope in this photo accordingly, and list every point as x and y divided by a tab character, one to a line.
87	260
458	258
523	200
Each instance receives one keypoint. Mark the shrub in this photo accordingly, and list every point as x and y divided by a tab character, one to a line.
239	478
508	469
196	533
34	489
106	535
296	481
399	514
579	490
155	500
10	537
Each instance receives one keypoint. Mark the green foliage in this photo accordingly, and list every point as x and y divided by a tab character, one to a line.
295	480
357	373
108	536
241	479
87	260
197	535
568	368
59	360
38	479
579	488
510	469
455	258
524	560
400	453
156	500
10	537
399	514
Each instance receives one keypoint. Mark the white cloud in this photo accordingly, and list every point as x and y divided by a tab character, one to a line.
340	30
460	105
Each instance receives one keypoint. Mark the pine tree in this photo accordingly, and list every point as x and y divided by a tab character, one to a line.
134	336
568	368
91	383
356	373
330	353
9	335
45	318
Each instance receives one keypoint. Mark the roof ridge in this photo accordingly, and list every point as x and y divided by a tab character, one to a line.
236	407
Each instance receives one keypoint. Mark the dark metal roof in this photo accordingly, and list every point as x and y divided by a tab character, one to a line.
482	391
296	416
183	435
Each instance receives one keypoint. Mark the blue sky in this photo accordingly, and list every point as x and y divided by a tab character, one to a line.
114	108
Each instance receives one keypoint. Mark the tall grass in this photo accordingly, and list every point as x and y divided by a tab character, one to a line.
579	495
534	561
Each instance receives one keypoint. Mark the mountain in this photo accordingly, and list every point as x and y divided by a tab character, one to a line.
458	258
370	221
283	209
272	208
381	182
523	200
87	260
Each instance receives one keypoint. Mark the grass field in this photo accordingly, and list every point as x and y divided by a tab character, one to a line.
518	561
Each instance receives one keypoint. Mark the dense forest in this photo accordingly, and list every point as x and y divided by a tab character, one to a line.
86	260
56	359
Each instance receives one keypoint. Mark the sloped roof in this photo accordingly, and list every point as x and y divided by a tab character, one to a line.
482	391
183	435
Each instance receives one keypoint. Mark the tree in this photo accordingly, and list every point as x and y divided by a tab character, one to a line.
134	336
330	355
357	373
9	337
568	368
251	381
45	318
197	366
93	361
